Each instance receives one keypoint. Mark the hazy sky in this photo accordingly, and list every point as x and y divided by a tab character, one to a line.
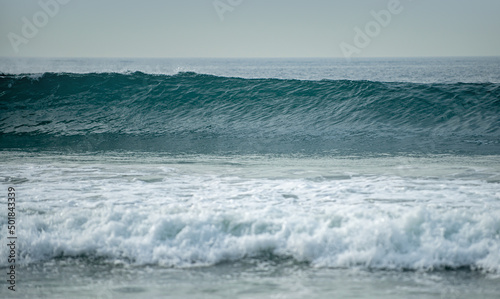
249	28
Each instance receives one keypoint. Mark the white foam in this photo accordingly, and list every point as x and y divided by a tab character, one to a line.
169	215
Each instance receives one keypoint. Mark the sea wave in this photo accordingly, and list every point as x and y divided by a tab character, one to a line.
190	111
380	235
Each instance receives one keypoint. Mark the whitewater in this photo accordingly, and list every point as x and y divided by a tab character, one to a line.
253	178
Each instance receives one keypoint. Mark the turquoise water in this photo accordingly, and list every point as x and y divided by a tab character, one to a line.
193	113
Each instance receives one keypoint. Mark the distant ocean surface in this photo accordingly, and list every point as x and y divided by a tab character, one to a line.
253	178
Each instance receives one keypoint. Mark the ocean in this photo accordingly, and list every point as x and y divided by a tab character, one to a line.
250	178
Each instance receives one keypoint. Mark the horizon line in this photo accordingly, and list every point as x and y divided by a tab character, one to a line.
245	57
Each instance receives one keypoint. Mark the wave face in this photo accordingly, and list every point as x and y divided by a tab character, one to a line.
190	112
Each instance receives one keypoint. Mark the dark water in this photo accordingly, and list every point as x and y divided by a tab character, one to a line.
196	113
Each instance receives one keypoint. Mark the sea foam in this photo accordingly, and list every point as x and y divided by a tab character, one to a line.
157	215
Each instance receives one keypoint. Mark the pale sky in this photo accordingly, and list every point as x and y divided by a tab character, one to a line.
248	28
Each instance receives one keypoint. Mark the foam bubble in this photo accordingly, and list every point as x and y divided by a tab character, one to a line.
185	219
